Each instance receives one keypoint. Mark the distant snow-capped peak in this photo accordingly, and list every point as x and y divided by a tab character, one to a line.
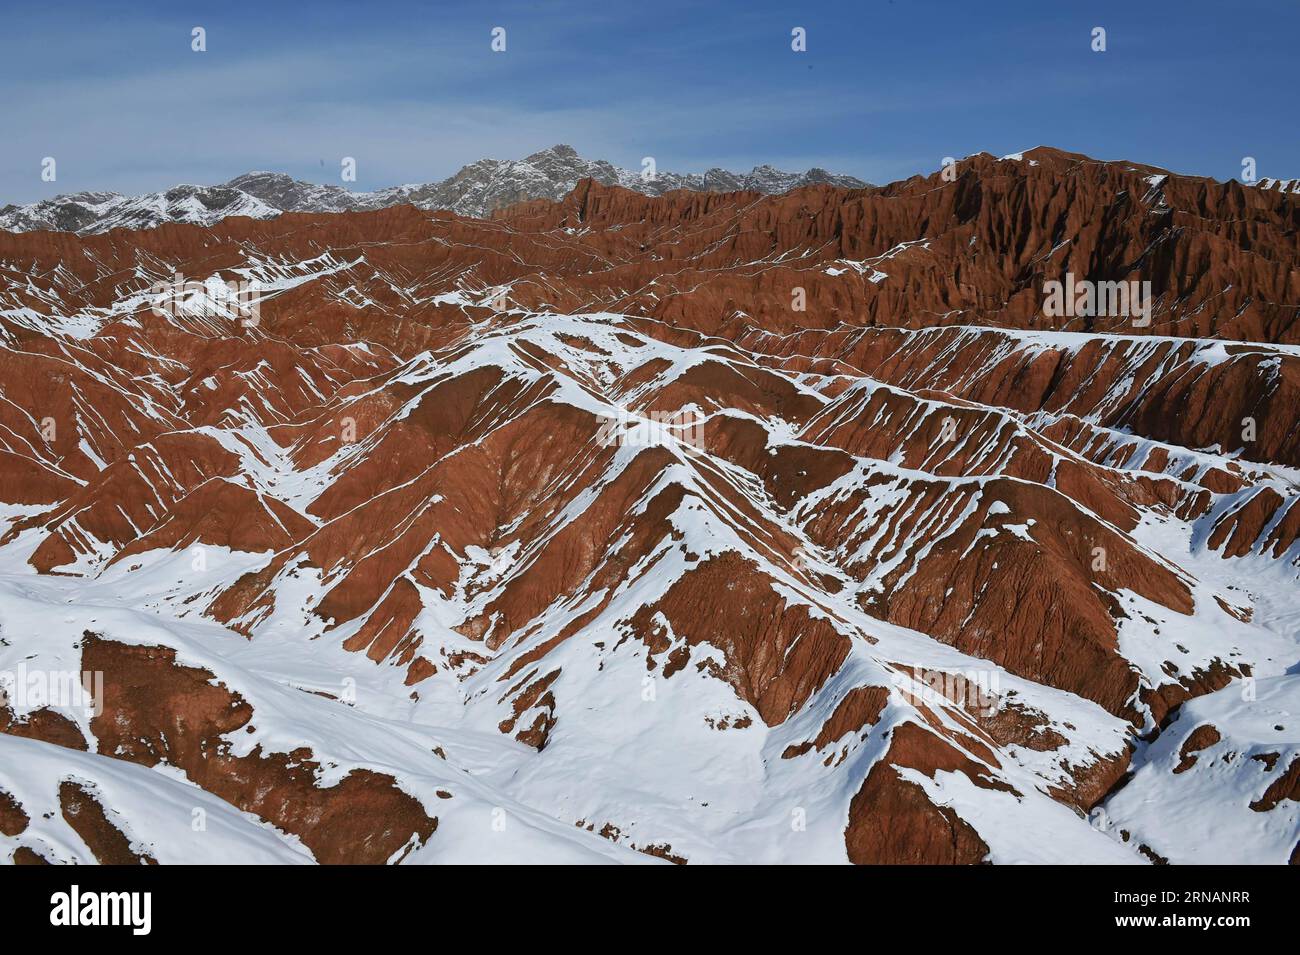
476	190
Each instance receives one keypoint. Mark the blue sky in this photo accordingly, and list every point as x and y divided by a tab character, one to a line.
413	91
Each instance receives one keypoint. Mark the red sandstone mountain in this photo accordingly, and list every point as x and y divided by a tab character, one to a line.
924	574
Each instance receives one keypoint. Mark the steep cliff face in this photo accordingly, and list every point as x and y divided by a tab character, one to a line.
421	537
973	245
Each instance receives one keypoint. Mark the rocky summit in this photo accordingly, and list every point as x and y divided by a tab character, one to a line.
478	189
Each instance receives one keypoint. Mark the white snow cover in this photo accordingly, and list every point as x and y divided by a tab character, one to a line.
476	190
656	768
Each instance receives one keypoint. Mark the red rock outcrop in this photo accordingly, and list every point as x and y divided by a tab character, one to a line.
155	710
764	441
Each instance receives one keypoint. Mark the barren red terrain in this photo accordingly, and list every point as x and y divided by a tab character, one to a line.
711	527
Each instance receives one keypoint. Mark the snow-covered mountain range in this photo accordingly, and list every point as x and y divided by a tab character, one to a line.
477	190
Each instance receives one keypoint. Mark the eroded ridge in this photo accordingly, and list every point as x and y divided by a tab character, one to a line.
701	528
